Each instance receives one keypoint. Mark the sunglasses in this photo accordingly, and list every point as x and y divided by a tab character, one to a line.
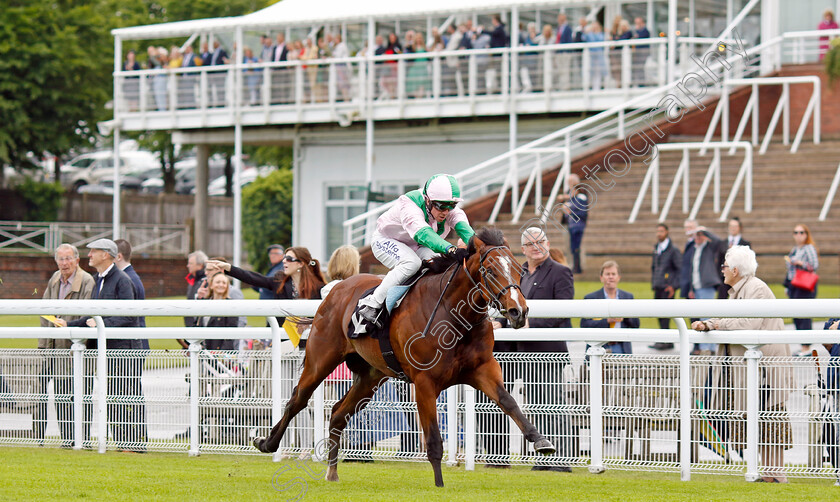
444	206
290	259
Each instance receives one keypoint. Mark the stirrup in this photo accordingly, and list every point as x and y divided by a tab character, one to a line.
371	314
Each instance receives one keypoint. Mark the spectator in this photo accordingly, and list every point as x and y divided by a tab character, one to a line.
452	81
437	42
566	60
113	284
69	282
703	277
219	290
577	62
131	85
543	278
342	70
577	210
275	259
610	277
418	83
734	239
529	61
134	385
175	58
621	31
205	292
344	263
158	59
803	256
833	390
640	52
216	79
597	60
204	56
252	76
828	23
195	276
266	49
665	275
187	81
730	381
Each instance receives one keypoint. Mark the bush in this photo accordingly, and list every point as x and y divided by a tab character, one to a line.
832	61
43	200
267	215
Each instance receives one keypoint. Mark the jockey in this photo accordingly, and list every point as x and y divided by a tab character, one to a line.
414	230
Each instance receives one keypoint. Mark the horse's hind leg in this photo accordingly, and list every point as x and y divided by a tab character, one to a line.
364	387
427	394
488	379
315	370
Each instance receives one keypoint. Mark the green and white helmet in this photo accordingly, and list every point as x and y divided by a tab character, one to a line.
443	187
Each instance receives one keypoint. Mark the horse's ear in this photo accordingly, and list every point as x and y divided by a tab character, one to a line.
477	243
505	241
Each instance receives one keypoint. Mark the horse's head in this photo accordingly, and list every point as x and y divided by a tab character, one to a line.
499	275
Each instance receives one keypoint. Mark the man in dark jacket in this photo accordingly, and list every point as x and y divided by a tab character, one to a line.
733	239
702	277
542	278
665	275
610	277
111	283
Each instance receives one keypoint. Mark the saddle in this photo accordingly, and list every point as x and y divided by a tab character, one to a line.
360	326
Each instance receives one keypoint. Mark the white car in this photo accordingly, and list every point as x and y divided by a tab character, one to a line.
89	169
248	175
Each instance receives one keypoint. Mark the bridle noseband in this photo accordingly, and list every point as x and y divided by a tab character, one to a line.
484	281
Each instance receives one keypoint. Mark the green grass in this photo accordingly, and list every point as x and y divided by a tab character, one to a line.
640	290
52	474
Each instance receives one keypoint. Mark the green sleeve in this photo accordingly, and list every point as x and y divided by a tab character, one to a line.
427	237
464	231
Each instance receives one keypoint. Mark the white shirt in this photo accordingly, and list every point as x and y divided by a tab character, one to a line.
102	277
662	246
734	240
607	297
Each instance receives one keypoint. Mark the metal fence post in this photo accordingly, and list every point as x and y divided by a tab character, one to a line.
194	349
752	355
596	429
469	428
685	400
77	350
452	425
102	382
276	376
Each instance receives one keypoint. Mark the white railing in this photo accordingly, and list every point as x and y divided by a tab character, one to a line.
651	180
44	237
800	47
596	405
750	114
829	198
470	76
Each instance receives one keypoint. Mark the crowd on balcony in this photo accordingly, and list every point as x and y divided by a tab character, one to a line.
539	70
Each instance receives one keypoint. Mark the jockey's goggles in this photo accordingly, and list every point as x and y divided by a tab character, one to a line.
444	205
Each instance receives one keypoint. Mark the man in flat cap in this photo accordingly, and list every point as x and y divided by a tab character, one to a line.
111	284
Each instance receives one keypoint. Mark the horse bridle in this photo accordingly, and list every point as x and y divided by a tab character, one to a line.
484	279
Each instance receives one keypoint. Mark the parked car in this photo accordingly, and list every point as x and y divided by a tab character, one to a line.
247	176
90	168
185	171
106	185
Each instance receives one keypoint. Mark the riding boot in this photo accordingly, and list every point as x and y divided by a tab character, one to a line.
576	256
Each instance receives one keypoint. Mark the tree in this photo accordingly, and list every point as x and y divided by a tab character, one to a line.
53	78
267	215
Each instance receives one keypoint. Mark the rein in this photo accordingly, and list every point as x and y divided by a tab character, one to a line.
442	294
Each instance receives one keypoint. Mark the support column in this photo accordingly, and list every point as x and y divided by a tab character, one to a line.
514	119
769	30
202	169
672	40
117	82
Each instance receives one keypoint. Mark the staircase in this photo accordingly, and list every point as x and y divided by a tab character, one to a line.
787	189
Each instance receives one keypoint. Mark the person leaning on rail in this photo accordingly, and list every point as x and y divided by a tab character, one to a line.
730	381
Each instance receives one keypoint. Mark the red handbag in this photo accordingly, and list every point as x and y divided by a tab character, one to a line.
804	279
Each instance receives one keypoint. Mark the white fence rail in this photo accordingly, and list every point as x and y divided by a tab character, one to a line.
46	236
602	410
651	180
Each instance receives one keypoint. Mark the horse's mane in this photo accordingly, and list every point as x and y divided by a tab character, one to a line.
490	236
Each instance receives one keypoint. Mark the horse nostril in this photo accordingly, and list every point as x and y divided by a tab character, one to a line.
514	313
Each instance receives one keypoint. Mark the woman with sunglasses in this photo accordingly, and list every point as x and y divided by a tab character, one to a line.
300	277
414	230
803	256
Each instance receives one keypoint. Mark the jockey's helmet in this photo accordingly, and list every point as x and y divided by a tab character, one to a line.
443	188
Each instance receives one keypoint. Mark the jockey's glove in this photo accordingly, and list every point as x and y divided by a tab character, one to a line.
457	254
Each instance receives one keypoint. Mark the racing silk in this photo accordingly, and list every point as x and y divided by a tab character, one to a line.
409	223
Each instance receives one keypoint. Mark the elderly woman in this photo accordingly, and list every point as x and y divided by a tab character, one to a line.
730	380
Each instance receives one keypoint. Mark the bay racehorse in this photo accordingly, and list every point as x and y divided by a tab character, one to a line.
456	347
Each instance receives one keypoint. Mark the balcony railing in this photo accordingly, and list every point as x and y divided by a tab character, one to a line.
481	81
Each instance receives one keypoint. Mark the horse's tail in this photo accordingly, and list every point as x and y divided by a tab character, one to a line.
301	321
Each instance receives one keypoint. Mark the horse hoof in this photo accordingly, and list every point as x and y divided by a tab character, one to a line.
545	447
258	444
332	474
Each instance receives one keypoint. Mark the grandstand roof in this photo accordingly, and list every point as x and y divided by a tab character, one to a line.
314	12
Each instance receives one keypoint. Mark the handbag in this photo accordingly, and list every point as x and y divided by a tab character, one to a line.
804	279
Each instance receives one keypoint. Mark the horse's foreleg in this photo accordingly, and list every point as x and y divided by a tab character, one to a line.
315	370
426	395
359	395
488	379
